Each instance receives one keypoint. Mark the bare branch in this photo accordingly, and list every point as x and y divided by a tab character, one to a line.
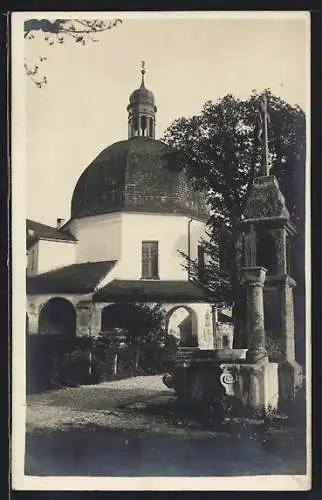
80	30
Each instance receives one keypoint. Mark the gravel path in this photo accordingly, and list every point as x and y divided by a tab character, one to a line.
132	427
101	404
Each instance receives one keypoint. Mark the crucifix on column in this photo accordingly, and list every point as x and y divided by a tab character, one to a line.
263	135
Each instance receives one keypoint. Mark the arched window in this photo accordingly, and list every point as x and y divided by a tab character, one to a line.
135	124
150	127
143	124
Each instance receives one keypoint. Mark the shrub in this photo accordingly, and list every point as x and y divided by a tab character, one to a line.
274	348
74	368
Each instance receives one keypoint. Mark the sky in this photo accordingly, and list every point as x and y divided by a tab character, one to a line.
188	61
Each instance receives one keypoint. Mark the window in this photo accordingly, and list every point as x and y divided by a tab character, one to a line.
151	127
150	260
33	260
201	263
225	341
143	124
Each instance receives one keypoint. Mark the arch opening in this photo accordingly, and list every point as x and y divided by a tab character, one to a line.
128	317
266	252
58	317
181	322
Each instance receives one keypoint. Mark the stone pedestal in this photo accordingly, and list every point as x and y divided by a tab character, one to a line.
290	379
254	385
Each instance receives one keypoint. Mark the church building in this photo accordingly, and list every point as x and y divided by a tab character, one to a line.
131	216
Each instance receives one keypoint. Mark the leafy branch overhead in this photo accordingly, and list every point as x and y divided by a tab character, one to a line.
56	31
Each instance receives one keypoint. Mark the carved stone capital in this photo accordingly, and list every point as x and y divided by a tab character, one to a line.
253	276
229	377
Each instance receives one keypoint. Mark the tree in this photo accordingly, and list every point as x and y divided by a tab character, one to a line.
56	31
140	322
147	323
220	150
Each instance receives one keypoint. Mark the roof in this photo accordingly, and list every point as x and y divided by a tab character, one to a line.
134	175
42	231
151	290
142	94
224	318
76	278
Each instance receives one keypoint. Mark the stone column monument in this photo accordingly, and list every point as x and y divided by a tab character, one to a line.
269	373
267	230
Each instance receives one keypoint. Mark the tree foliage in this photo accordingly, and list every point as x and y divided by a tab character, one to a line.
220	150
147	323
56	31
140	322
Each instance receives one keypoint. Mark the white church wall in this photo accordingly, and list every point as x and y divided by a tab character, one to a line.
171	232
55	254
99	237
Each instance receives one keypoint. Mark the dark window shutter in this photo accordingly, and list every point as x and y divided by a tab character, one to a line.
150	258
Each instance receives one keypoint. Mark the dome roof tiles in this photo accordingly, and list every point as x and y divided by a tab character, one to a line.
132	175
142	95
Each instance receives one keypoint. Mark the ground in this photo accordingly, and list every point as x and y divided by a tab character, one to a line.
135	427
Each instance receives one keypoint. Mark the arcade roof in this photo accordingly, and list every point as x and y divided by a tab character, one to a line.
152	290
76	278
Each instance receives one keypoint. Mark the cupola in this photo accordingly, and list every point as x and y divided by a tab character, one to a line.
141	111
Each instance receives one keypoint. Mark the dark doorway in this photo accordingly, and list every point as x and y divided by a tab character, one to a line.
58	317
127	317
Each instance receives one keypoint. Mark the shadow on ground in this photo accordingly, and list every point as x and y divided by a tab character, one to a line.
137	428
228	449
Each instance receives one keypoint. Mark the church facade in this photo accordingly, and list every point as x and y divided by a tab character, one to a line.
131	220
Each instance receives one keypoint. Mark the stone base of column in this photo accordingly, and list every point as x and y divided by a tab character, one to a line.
290	379
254	385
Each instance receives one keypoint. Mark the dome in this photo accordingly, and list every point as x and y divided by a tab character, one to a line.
132	175
142	95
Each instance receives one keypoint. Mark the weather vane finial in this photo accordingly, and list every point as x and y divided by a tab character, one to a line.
142	72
